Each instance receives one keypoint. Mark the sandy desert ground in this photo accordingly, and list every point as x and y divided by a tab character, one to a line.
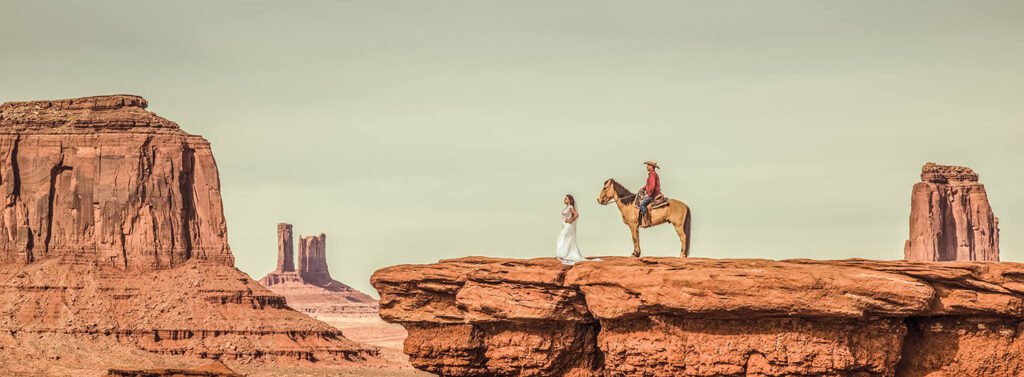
370	330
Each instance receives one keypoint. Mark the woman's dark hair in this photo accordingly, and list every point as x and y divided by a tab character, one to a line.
572	200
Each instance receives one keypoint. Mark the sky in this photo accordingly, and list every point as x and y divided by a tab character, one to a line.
413	131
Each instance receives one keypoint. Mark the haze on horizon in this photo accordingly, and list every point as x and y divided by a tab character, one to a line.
412	131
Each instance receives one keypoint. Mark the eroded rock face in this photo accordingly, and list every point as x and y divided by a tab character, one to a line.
313	258
113	250
285	248
700	317
311	289
950	217
101	179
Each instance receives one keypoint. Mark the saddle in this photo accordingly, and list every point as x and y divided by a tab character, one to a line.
658	202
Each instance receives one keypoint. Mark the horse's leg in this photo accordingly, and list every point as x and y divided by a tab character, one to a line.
681	230
635	230
688	232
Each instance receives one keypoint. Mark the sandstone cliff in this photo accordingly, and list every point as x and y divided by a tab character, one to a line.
950	217
699	317
285	248
313	258
101	179
114	253
311	289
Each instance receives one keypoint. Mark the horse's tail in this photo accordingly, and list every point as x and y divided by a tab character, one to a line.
689	235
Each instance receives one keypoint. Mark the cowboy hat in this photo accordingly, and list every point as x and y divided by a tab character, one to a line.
652	163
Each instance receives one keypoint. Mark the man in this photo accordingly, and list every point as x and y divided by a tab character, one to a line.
651	191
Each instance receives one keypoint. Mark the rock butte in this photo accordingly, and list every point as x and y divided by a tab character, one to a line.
310	289
950	217
114	252
700	317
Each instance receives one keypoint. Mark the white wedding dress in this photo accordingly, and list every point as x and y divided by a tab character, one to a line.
568	252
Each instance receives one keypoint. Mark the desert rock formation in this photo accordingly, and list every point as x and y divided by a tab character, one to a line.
214	369
313	258
700	317
311	289
285	248
950	217
102	179
114	252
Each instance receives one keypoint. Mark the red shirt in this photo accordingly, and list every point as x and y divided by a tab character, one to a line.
653	187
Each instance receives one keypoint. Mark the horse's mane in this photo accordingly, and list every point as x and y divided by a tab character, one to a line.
625	195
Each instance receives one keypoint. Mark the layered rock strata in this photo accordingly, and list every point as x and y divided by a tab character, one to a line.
215	369
950	217
113	249
311	289
700	317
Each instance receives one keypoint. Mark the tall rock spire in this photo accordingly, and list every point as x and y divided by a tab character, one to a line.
285	248
313	258
950	217
308	286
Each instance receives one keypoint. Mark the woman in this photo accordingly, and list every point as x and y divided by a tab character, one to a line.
567	251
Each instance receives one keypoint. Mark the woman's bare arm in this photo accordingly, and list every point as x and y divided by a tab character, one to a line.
575	215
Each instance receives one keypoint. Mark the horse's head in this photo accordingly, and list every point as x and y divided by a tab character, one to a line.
608	193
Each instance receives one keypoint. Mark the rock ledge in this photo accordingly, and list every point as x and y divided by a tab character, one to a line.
705	317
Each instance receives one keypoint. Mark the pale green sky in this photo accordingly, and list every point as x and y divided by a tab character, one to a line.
418	130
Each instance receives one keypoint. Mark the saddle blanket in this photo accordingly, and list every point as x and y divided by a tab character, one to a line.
658	202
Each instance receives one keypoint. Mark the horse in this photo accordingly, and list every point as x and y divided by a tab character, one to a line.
676	212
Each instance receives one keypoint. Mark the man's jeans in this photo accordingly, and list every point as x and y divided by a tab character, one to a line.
643	204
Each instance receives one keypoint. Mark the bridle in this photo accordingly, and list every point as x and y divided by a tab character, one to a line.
614	197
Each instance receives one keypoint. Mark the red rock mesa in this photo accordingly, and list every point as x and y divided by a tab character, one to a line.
700	317
311	289
100	179
950	217
114	252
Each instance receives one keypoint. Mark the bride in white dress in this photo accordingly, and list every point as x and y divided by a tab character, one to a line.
568	252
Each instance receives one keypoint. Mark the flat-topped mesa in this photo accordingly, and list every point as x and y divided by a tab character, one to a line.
313	258
476	317
102	180
113	112
951	218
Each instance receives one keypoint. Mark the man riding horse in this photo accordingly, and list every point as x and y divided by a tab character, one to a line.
650	191
648	209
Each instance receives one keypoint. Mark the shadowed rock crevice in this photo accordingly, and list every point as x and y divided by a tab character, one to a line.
188	216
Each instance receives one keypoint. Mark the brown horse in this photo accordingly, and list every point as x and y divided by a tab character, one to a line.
676	212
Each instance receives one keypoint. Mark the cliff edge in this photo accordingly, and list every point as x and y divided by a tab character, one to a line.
703	317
